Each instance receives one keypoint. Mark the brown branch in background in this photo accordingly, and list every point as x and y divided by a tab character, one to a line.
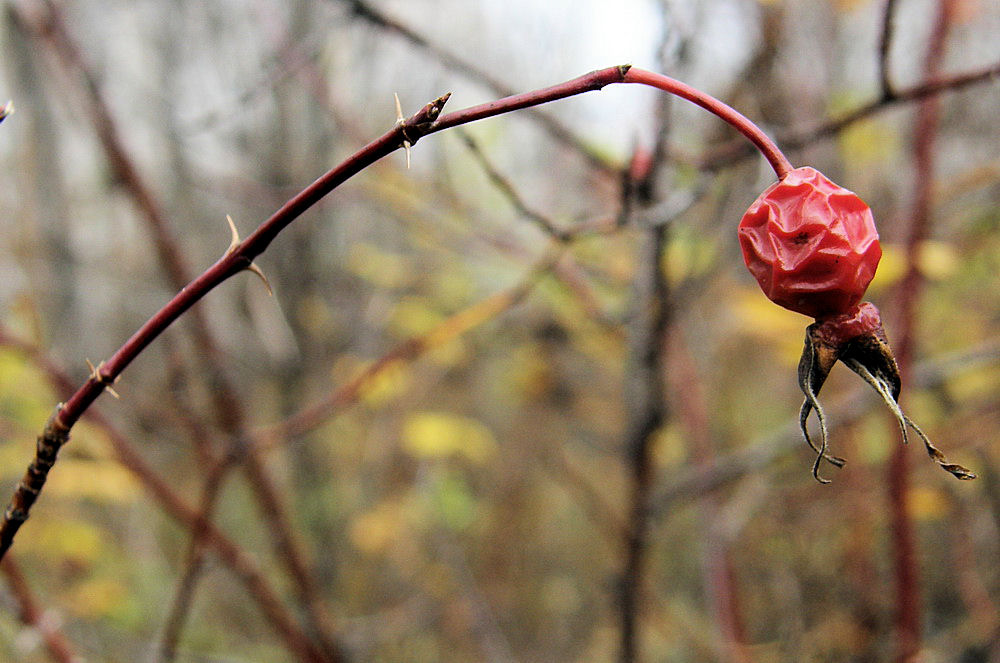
450	328
194	563
908	618
34	616
694	415
735	150
555	129
885	48
509	192
43	21
645	403
242	563
48	24
645	414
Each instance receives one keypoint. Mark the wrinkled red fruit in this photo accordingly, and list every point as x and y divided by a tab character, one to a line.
811	245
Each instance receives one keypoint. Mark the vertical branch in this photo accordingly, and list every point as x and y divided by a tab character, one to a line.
908	609
195	561
644	383
720	587
885	48
646	411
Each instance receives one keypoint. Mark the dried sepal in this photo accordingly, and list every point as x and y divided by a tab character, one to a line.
817	360
858	340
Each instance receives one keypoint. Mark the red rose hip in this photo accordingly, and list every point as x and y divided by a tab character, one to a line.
811	245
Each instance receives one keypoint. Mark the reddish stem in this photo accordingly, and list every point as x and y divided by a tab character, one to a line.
767	147
904	547
241	255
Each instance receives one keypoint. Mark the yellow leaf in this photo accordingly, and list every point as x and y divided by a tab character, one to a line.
415	316
890	268
63	539
868	142
374	531
936	261
927	503
440	435
96	598
769	322
669	448
379	267
98	480
387	384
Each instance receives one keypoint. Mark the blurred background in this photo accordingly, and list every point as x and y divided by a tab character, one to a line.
520	401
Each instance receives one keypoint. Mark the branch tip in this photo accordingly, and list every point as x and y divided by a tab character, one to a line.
6	109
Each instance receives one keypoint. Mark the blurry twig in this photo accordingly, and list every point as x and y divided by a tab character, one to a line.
645	403
46	21
884	49
566	271
242	563
34	616
184	596
908	618
693	413
792	140
316	414
556	129
509	191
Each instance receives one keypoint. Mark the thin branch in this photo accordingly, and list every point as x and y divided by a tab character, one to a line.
195	562
757	138
694	414
885	48
240	255
242	563
556	129
794	140
48	24
509	192
908	618
646	413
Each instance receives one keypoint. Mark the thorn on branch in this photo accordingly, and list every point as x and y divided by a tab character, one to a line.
234	244
260	273
100	378
5	110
